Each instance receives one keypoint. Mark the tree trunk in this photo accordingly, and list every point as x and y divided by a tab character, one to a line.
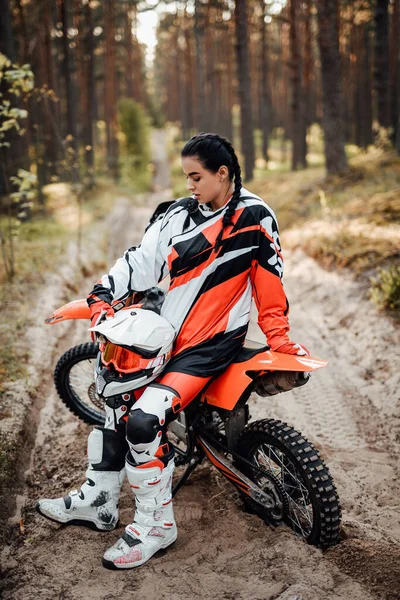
264	101
363	102
381	66
187	67
7	45
72	148
246	120
53	141
137	61
110	89
88	99
328	40
129	61
395	67
308	103
297	127
229	82
201	117
397	77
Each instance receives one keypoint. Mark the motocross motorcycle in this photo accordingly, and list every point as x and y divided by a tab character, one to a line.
280	475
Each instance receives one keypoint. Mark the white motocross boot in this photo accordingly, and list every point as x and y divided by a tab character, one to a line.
153	526
96	503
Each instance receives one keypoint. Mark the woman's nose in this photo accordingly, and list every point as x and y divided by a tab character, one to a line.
190	185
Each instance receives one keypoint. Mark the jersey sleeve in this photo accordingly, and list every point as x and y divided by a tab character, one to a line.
266	278
139	269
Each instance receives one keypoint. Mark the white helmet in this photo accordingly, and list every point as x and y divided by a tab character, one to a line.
138	344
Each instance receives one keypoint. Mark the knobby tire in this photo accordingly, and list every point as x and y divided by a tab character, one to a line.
77	405
314	474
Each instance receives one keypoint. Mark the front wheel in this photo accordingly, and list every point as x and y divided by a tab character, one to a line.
312	507
74	381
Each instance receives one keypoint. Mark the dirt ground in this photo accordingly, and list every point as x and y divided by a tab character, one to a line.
350	410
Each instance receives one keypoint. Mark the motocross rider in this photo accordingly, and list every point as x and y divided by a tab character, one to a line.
220	248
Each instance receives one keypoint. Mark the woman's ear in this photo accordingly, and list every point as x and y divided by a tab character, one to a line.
223	173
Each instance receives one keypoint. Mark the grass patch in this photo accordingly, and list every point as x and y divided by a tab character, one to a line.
385	289
346	249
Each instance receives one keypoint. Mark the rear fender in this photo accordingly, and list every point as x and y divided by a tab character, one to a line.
236	382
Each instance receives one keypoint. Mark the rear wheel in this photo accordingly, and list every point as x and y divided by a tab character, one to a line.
74	381
312	507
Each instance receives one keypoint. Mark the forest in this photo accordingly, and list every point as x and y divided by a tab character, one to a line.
235	68
97	99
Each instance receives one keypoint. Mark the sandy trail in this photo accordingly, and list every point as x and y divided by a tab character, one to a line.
350	410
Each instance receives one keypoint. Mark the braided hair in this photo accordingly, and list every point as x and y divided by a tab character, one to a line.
214	151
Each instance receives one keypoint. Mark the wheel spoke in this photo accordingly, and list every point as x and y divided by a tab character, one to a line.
81	381
269	458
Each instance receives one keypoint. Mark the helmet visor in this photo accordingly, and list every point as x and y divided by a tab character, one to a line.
127	361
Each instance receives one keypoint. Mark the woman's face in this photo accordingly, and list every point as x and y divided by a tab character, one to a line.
204	185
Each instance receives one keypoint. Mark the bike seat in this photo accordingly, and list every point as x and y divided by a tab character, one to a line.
250	349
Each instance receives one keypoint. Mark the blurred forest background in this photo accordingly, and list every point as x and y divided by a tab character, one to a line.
297	85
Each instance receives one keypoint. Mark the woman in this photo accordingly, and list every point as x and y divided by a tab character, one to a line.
220	248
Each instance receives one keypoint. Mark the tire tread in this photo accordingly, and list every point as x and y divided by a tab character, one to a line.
317	474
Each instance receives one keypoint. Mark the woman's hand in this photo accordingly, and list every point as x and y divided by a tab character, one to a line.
292	348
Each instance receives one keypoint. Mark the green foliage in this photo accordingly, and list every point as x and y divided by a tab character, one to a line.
383	138
155	113
385	290
136	130
19	80
25	184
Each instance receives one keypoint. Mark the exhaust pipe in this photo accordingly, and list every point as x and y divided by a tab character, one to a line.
276	382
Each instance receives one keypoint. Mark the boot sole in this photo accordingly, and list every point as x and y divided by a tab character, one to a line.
108	564
78	522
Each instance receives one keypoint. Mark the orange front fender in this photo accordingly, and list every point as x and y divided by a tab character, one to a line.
226	390
77	309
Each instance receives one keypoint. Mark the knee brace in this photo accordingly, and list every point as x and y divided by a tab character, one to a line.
117	409
147	422
106	450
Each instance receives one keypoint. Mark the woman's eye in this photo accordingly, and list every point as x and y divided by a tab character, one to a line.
196	180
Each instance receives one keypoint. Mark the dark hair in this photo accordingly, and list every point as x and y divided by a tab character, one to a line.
214	151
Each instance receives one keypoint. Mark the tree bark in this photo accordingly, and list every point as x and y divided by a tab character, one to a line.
381	66
110	89
297	126
129	57
88	95
264	106
70	94
201	117
362	114
328	40
7	45
246	119
395	67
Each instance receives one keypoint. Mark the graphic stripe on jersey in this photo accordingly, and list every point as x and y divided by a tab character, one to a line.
200	323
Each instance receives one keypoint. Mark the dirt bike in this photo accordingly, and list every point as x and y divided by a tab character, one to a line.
279	474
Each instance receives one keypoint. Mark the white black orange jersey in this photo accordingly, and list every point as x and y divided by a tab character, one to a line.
210	292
